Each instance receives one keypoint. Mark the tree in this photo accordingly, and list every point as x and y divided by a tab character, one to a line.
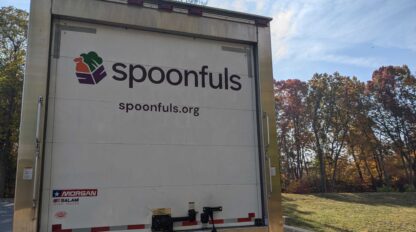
392	93
292	126
364	147
13	33
318	113
351	135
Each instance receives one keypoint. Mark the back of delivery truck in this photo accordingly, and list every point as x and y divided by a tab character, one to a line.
152	116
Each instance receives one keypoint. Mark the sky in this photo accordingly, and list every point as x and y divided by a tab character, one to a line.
352	37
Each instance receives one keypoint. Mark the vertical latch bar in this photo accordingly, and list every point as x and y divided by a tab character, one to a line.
37	152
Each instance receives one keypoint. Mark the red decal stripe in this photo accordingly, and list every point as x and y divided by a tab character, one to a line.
188	223
249	219
217	221
58	228
244	219
99	229
136	227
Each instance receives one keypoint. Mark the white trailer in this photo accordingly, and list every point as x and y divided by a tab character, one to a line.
147	116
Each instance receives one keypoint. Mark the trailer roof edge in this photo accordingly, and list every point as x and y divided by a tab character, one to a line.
206	9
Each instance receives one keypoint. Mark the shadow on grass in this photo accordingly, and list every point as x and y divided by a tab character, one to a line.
295	218
385	199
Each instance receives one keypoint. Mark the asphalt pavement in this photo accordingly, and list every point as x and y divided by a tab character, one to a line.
6	215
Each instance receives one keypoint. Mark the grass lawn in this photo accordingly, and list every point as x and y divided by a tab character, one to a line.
351	211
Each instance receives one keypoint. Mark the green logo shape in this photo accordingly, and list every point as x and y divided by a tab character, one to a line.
92	60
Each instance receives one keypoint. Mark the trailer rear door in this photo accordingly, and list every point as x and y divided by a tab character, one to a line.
135	125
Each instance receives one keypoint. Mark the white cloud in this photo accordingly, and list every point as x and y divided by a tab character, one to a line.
282	29
260	5
321	30
335	34
251	6
351	60
239	6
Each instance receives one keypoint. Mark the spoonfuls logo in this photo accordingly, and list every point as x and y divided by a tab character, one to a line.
89	68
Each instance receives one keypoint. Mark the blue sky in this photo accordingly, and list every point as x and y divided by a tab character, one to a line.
354	37
21	4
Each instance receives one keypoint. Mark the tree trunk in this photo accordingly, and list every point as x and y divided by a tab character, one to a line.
379	167
357	165
337	154
305	164
411	173
373	181
385	173
321	162
323	173
405	167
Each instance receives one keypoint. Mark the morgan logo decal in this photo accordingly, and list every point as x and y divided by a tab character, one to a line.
74	193
89	68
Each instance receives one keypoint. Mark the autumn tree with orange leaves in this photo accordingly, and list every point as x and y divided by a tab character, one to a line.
337	133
